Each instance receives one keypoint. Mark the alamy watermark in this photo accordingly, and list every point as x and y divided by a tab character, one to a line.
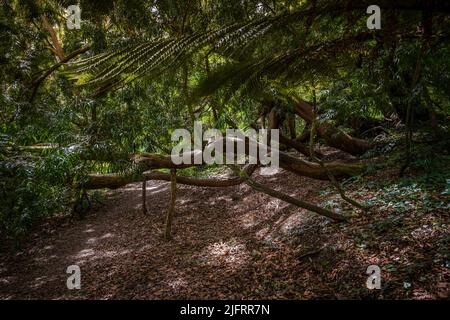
374	20
374	279
235	147
74	280
73	13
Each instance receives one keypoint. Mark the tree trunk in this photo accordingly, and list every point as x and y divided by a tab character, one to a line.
109	180
332	135
287	162
291	126
295	165
173	195
274	123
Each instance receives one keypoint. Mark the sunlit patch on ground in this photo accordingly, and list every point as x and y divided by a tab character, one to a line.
42	281
91	254
177	283
230	253
267	171
245	245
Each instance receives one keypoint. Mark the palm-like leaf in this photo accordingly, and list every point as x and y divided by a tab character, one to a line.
124	65
134	60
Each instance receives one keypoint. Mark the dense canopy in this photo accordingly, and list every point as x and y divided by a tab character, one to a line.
89	109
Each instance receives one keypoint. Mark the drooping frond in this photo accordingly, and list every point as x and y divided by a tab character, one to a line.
119	66
293	65
132	61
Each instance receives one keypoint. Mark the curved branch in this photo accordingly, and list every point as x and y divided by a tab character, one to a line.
199	182
38	81
332	135
297	202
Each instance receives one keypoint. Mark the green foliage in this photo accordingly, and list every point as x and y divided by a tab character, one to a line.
420	191
215	61
32	189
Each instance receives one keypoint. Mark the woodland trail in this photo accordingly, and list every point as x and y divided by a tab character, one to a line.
231	243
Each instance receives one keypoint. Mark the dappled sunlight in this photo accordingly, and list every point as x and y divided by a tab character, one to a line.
91	241
95	240
292	222
219	200
267	171
183	201
8	280
275	205
84	253
232	253
155	190
254	218
249	220
152	187
146	247
263	234
90	254
45	259
177	283
235	150
41	281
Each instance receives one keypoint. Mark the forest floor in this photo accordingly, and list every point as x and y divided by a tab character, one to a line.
236	243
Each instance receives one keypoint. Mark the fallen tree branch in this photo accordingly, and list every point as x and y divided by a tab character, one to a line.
244	177
332	135
199	182
296	165
108	180
150	161
297	202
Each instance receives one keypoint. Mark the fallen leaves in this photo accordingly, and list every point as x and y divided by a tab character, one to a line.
234	243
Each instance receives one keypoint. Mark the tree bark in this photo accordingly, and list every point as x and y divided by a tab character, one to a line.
109	180
244	177
287	162
147	161
170	212
299	203
274	123
199	182
332	135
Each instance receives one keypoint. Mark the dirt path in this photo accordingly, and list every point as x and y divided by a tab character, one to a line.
229	243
